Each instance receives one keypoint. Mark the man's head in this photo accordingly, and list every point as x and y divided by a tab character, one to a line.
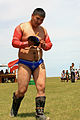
38	16
72	64
40	12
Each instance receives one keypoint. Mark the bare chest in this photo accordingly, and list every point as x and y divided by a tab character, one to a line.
28	31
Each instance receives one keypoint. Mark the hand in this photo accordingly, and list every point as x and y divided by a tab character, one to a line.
42	42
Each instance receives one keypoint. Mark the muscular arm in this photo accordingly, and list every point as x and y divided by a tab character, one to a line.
16	41
47	44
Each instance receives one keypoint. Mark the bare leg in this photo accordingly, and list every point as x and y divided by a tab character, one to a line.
39	76
24	75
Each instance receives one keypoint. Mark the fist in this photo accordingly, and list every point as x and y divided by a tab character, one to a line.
33	40
42	42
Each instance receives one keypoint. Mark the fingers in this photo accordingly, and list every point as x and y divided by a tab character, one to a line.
42	42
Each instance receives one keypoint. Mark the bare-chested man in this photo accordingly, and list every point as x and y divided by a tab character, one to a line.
30	61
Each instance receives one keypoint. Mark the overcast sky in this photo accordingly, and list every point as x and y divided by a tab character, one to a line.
62	23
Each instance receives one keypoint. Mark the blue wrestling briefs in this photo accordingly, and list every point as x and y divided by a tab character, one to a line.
32	65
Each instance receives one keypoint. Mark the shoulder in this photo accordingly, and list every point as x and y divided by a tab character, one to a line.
44	30
22	25
18	28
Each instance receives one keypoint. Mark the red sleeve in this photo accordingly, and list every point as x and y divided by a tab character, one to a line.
16	41
48	43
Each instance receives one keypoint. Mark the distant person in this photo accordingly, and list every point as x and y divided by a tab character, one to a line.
2	72
3	79
79	72
67	75
31	39
63	76
6	72
76	75
72	73
6	79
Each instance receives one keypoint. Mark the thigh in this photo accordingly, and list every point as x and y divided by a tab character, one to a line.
39	76
24	75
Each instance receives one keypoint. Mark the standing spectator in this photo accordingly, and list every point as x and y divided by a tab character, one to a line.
72	73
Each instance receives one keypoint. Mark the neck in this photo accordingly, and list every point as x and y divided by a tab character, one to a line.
34	28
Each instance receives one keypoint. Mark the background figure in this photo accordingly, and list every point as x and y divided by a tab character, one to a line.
6	72
76	75
72	73
2	72
63	76
67	76
79	73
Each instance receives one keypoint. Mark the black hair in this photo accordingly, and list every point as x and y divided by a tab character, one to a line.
40	12
72	63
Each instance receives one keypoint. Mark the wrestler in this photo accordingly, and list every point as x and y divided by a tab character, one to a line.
30	60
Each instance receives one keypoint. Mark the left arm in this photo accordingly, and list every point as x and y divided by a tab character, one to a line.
46	44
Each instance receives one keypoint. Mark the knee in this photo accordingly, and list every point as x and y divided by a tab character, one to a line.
22	90
41	88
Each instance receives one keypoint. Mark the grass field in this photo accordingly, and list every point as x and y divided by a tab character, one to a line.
62	103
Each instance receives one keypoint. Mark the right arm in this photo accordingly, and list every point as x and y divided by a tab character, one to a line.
16	41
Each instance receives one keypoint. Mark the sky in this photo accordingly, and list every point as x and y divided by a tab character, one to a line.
62	23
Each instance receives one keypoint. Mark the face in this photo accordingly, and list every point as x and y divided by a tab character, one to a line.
36	20
72	64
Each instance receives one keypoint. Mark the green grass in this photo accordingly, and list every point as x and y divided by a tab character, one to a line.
62	103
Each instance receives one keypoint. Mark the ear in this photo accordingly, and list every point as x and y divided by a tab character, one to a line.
32	16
